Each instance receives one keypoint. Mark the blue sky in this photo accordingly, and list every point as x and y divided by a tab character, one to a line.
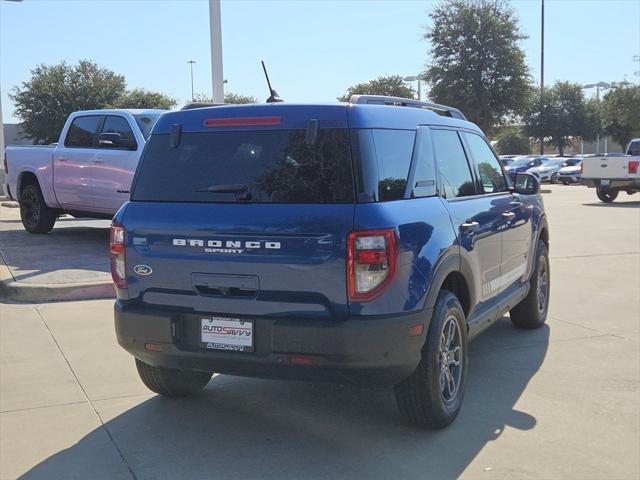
314	49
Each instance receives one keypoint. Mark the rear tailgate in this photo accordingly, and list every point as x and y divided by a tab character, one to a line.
608	167
246	213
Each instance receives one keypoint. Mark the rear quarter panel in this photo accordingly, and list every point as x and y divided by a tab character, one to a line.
426	240
35	159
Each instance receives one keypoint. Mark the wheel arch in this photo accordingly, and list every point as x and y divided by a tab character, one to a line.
26	178
450	276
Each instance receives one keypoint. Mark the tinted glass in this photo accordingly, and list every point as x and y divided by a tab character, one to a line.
146	123
424	184
393	153
455	175
491	176
275	166
82	131
120	125
634	148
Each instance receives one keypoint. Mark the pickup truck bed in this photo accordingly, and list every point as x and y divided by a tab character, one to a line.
610	175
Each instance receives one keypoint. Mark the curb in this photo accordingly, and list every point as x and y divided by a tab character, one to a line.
13	291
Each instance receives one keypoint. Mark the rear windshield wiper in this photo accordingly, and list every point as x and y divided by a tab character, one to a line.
240	189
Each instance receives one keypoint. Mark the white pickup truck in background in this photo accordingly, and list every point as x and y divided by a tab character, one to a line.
610	175
87	173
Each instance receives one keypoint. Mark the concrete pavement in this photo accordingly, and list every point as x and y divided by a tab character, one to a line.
69	263
559	402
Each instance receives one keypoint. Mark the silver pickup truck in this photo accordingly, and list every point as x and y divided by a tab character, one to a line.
87	173
610	175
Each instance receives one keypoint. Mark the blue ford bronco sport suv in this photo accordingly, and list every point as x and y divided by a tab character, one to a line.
361	242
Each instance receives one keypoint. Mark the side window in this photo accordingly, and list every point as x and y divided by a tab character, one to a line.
121	126
455	175
393	153
82	131
634	148
491	174
424	177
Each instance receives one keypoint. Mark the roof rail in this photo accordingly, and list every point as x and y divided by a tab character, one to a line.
406	102
192	105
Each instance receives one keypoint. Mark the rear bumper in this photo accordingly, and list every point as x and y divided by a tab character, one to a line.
363	350
614	183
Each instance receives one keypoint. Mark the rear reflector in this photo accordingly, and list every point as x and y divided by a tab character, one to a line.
242	122
302	360
416	330
156	347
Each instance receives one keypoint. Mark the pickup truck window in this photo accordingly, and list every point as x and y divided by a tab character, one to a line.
82	131
455	175
266	166
146	123
490	171
120	125
634	148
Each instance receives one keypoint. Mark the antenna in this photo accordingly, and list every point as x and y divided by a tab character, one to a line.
274	97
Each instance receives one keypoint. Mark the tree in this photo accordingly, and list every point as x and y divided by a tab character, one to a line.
390	85
560	113
141	98
512	141
229	97
621	113
54	91
477	64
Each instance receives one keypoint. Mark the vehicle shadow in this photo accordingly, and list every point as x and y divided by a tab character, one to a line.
633	204
241	428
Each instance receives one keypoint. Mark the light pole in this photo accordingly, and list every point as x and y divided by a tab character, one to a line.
542	70
415	78
215	30
191	62
598	86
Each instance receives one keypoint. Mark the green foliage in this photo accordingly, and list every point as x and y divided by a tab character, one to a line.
391	86
141	98
229	97
561	112
621	114
54	91
512	141
477	64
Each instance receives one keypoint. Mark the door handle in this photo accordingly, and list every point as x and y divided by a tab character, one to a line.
508	215
469	226
98	160
62	158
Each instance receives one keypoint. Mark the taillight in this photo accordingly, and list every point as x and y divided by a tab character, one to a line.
371	262
633	166
116	255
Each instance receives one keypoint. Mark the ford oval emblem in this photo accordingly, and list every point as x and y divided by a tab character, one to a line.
143	269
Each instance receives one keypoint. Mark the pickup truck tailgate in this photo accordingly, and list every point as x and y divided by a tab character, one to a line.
610	167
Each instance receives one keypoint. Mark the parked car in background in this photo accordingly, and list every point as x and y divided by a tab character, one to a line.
610	175
363	242
570	173
506	160
522	164
548	171
87	173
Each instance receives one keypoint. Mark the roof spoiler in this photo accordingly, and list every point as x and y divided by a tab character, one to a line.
406	102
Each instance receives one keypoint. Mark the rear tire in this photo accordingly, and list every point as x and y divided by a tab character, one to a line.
606	195
36	216
171	382
554	178
532	311
432	396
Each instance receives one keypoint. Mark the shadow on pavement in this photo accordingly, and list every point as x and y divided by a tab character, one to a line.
243	428
634	204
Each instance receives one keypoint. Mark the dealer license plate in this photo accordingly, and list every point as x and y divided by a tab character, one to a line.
221	333
605	183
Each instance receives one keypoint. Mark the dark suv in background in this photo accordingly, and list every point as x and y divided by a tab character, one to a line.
361	242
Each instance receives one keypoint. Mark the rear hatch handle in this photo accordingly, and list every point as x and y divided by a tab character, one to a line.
243	286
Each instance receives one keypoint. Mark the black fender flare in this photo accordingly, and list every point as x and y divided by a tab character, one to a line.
452	263
542	225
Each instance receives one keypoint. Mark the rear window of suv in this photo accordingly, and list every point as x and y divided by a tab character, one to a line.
274	166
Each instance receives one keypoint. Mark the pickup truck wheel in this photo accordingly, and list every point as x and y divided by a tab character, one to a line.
606	195
432	396
171	382
554	178
532	311
36	216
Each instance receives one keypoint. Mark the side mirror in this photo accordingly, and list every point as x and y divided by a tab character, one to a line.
115	140
527	184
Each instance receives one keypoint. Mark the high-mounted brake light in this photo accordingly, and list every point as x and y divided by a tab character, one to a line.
633	166
242	122
371	262
117	255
